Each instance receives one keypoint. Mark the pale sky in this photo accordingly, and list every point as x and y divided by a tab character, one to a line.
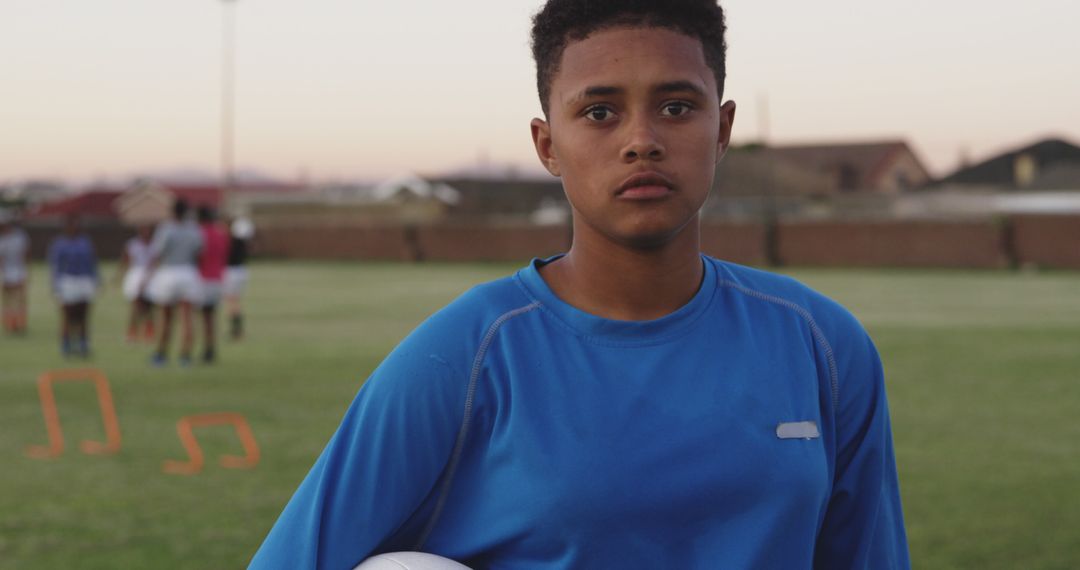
347	89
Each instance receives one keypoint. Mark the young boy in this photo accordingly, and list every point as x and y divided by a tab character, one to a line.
632	403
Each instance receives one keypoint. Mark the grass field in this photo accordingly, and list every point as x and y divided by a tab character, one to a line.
983	374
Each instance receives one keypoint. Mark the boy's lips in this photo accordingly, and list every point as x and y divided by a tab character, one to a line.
645	186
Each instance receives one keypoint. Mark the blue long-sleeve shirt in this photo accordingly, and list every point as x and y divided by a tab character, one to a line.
73	257
749	429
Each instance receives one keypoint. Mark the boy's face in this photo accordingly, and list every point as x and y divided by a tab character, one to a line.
635	128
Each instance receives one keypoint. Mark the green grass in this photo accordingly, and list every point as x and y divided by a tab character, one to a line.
983	376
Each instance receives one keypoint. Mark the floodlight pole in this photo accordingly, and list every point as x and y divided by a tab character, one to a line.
228	99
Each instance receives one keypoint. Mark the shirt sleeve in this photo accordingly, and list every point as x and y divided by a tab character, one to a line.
864	523
384	460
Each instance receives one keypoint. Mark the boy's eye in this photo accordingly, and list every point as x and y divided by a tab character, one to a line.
598	113
675	109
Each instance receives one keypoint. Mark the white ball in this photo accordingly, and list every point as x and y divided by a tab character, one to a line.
409	561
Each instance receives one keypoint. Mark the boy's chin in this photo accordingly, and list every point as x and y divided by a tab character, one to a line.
650	237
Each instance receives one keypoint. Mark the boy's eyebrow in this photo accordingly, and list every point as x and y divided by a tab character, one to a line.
596	91
680	86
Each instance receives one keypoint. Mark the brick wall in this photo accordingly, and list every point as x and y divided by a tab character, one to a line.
1047	241
491	243
1042	240
412	243
389	243
892	244
737	242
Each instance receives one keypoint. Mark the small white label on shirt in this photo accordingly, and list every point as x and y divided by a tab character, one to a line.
797	430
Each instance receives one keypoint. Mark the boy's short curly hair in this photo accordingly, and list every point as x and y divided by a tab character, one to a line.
561	21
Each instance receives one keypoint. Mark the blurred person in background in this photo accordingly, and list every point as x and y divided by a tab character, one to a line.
134	263
236	274
172	280
75	281
14	273
212	263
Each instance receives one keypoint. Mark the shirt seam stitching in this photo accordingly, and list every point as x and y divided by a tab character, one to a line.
685	329
815	330
463	431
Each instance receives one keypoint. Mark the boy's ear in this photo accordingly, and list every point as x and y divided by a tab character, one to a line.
727	119
545	150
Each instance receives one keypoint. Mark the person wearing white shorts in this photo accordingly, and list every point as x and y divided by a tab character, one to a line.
75	280
72	290
133	279
174	284
133	266
172	279
14	255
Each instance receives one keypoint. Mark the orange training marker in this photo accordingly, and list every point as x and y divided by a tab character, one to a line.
52	416
184	428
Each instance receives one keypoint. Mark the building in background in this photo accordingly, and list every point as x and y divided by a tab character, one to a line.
882	167
508	199
1048	165
30	193
94	206
840	180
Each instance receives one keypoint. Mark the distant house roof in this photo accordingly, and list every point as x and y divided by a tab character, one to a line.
481	197
1047	164
756	171
145	203
106	203
89	204
412	187
34	191
854	166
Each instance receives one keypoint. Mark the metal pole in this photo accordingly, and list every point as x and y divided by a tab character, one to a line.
228	54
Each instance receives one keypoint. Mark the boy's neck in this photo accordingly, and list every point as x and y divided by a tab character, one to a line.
615	281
